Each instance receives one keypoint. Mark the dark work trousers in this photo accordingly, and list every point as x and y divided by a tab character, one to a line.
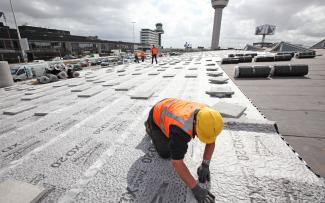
159	140
136	59
142	58
154	57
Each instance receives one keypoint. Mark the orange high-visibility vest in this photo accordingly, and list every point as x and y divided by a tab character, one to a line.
154	51
142	54
176	112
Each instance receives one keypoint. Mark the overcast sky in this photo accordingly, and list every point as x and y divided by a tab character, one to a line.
297	21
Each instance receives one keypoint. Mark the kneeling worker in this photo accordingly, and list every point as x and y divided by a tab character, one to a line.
171	124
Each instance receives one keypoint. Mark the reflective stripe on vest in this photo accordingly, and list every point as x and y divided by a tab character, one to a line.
188	124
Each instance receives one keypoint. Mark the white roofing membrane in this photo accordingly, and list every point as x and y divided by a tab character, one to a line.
95	149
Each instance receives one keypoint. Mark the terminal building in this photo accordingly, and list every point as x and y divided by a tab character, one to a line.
49	43
150	37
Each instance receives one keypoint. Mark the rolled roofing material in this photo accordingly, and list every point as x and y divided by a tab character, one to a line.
252	71
230	61
264	59
290	70
6	79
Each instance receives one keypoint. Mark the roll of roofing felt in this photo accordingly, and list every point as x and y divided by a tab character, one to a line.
290	70
302	55
230	61
264	58
285	57
62	75
6	79
43	80
53	78
245	59
252	71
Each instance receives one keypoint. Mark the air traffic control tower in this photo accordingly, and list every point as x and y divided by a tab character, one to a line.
160	31
218	6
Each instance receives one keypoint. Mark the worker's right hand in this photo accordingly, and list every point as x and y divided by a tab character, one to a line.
203	195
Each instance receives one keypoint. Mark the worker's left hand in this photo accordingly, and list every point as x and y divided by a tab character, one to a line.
204	173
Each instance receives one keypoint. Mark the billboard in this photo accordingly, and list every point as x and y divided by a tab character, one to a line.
265	30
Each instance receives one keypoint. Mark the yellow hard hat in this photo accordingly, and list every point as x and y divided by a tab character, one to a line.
209	124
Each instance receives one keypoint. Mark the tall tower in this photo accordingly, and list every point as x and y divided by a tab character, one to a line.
160	31
218	6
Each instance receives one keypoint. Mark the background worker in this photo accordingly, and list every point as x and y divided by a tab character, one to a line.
143	54
136	58
172	124
154	53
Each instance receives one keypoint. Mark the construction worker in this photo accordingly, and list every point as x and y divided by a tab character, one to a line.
143	54
154	53
136	58
171	124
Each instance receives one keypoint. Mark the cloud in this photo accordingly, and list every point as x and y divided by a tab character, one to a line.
297	21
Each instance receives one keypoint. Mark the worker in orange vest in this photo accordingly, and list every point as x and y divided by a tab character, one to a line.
142	55
154	52
136	58
172	124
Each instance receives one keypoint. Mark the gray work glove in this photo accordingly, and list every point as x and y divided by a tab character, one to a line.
204	173
203	195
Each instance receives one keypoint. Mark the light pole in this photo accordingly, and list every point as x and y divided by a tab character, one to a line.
133	35
18	33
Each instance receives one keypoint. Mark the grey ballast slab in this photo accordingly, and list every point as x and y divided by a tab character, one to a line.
161	69
136	73
59	85
124	87
90	76
165	67
110	83
193	68
14	111
81	88
220	91
90	92
32	97
92	79
229	110
121	70
179	67
142	94
99	81
169	75
20	192
155	73
123	74
212	69
215	73
75	84
192	75
219	80
211	64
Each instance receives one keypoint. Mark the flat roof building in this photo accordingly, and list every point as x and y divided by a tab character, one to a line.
148	38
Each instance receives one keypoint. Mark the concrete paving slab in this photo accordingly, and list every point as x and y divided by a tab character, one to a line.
33	97
14	111
219	80
136	73
90	92
193	68
110	83
179	67
171	75
229	110
215	73
75	84
81	88
124	87
161	70
224	91
212	69
191	75
154	73
142	94
19	192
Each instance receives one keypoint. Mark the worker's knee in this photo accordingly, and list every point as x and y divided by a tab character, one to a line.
164	154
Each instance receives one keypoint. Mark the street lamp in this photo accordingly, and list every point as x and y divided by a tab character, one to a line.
133	35
18	33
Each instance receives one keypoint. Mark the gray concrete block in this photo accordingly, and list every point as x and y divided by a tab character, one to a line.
110	83
81	88
212	69
191	75
74	84
219	80
161	69
32	97
122	74
19	109
220	91
229	110
124	87
121	70
19	192
90	92
136	73
193	68
179	67
169	75
142	94
250	125
155	73
215	73
58	84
